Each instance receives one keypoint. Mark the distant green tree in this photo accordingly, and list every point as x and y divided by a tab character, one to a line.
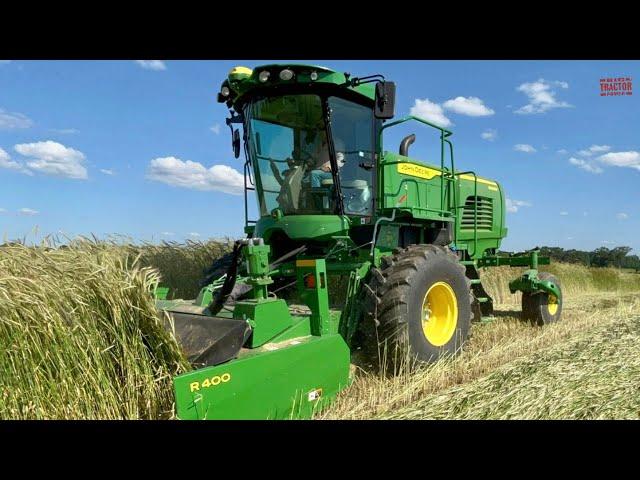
631	261
600	257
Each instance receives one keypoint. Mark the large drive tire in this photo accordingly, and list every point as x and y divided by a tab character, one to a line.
542	308
417	307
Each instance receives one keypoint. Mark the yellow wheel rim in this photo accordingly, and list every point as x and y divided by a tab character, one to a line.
552	305
439	314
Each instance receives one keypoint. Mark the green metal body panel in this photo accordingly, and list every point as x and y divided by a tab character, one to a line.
275	381
313	284
297	227
301	328
267	317
415	186
424	194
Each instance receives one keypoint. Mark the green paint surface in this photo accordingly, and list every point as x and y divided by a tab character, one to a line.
277	381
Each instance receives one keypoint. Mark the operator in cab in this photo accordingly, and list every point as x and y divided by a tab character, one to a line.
322	167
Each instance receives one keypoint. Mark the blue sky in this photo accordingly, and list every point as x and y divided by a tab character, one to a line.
128	147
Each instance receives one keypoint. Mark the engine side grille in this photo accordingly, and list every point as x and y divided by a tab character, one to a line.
485	213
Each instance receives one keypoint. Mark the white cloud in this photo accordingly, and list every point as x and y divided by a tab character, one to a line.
65	131
152	64
523	147
168	234
4	156
607	242
107	171
28	211
622	216
53	158
621	159
431	112
542	96
514	205
599	148
434	112
6	162
564	214
585	165
471	106
2	210
194	175
13	120
562	151
489	134
216	129
594	149
194	234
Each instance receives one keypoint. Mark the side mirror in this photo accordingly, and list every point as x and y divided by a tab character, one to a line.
236	143
385	100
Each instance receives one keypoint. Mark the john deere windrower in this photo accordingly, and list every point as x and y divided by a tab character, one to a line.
355	249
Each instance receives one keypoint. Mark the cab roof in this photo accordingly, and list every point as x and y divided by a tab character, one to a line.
243	82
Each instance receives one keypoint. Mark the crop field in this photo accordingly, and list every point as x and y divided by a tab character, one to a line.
80	338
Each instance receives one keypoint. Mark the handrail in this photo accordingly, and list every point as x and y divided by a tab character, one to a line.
417	119
444	133
455	190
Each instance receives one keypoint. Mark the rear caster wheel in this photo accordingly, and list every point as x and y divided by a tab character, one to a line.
542	308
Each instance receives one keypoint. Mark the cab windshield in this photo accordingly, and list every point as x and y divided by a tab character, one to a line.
290	155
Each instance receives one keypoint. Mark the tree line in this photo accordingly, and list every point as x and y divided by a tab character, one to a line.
617	257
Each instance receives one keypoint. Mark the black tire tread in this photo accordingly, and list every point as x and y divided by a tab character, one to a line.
385	296
533	304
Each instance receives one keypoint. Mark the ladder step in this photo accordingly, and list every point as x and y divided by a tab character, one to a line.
475	281
468	262
483	299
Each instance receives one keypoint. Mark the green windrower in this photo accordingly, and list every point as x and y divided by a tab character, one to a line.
354	247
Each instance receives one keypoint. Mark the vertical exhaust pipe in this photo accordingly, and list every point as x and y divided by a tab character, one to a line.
405	143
